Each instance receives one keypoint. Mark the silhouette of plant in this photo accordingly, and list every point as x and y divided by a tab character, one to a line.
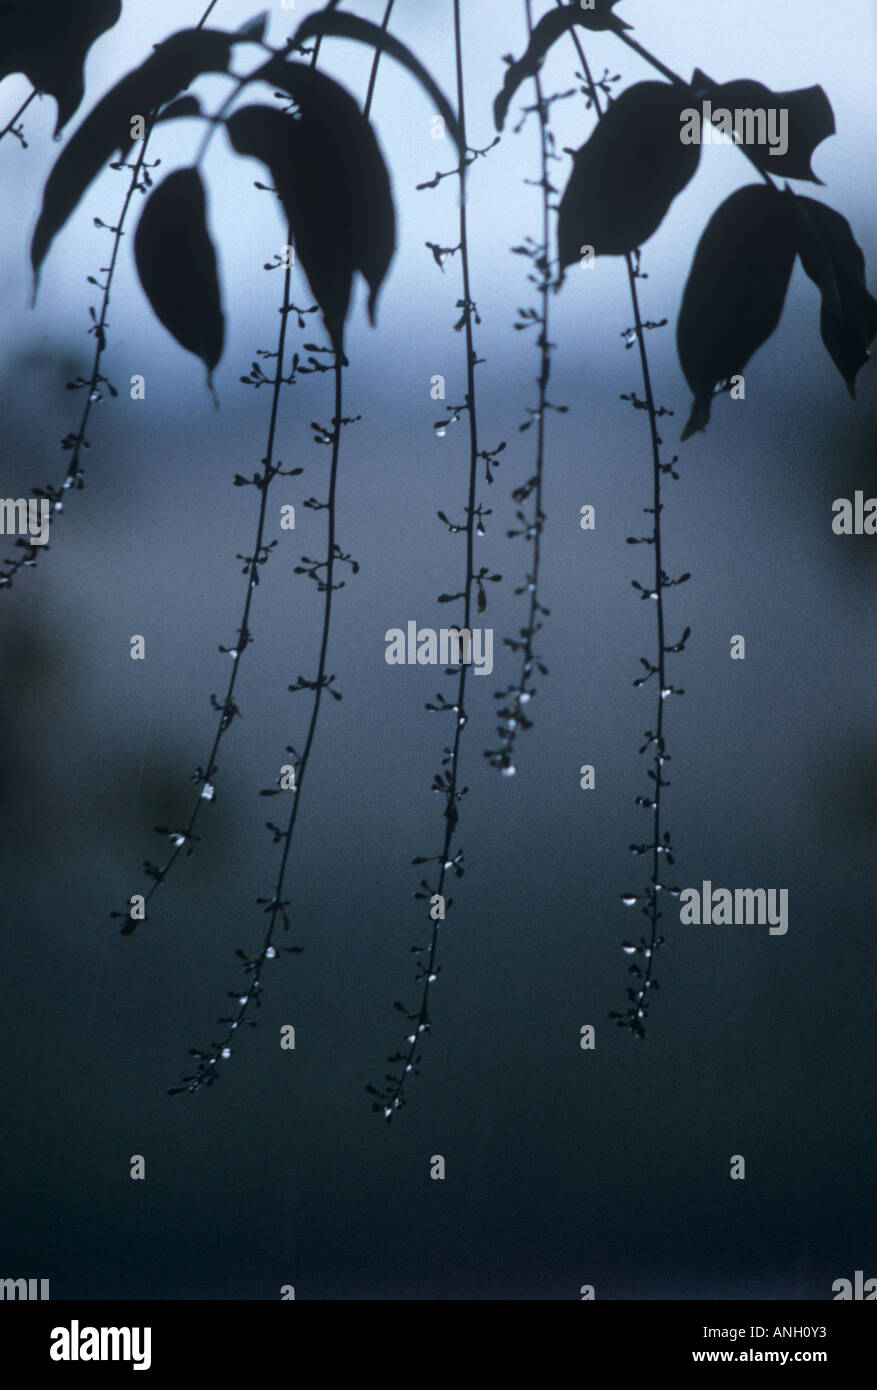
623	181
328	173
446	782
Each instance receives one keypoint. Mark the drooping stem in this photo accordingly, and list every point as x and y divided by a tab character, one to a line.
276	906
10	125
205	775
447	782
512	713
634	1017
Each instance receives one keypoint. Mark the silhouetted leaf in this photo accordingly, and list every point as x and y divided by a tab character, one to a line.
627	175
348	26
349	166
331	178
176	263
735	291
168	71
549	29
833	259
253	30
808	112
48	41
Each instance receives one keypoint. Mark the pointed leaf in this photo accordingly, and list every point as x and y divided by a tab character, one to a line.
324	24
549	29
349	170
166	73
756	114
735	291
48	41
834	261
253	30
627	175
176	263
333	184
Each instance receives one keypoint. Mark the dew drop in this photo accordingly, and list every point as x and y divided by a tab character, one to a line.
524	697
208	792
628	902
225	1053
243	999
270	953
509	771
628	948
440	434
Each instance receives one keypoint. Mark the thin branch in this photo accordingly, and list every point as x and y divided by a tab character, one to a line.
446	783
518	695
205	775
634	1017
275	906
10	126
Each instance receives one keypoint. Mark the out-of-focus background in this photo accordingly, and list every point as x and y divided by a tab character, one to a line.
564	1167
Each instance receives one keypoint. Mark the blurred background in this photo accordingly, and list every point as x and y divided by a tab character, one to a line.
564	1167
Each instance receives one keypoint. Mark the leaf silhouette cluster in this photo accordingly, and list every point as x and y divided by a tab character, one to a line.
323	157
48	41
332	181
164	76
635	163
734	295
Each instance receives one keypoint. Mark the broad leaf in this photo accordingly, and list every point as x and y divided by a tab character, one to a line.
833	259
332	181
48	41
759	118
549	29
735	291
324	24
166	73
176	263
627	175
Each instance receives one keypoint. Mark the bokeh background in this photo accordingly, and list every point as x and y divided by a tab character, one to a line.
563	1167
